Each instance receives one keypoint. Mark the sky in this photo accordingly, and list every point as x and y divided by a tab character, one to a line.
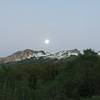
68	24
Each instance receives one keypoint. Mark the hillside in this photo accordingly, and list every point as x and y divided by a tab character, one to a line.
72	78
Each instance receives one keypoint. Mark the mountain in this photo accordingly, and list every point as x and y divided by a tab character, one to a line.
73	78
28	53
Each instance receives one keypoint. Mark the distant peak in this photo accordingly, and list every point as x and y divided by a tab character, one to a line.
28	53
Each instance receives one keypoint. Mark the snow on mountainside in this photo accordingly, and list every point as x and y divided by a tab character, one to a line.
68	53
28	53
99	53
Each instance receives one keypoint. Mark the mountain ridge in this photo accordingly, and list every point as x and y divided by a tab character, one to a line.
28	53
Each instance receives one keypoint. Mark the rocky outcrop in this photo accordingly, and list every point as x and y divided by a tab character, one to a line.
18	56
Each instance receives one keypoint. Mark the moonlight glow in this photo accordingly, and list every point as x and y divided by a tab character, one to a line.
46	41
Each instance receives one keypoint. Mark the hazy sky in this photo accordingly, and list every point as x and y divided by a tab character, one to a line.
68	24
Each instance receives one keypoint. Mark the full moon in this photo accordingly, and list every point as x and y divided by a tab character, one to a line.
46	41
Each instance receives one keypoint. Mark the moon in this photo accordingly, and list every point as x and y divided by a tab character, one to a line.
47	41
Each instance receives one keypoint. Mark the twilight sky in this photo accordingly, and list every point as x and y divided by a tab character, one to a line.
68	24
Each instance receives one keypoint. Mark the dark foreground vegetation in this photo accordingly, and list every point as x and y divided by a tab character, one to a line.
74	78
